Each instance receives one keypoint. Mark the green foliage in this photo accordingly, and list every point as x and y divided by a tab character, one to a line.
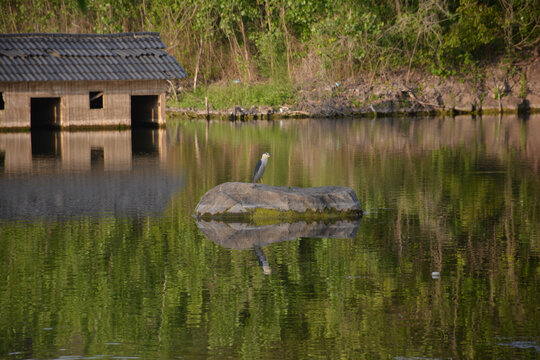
271	52
498	92
350	36
301	40
521	25
476	30
82	5
225	96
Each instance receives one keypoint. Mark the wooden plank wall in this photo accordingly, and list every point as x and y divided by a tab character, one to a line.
75	101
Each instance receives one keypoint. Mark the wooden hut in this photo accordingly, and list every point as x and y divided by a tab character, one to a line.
84	80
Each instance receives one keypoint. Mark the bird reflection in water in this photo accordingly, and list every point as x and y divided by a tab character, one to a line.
263	261
247	236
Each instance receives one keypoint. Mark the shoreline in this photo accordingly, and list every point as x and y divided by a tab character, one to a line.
496	90
279	113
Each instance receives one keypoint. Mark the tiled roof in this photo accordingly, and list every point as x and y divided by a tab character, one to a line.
71	57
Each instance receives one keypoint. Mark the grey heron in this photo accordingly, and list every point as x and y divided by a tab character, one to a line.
260	167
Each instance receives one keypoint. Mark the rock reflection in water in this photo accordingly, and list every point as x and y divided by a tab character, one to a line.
242	236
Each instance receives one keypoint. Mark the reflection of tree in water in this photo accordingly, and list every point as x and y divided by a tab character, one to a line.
322	152
467	208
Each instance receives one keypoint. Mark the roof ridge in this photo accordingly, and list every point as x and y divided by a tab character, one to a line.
123	34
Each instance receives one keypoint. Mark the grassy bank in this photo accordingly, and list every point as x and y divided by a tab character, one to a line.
493	89
225	95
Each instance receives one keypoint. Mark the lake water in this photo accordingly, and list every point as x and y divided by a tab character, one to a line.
101	257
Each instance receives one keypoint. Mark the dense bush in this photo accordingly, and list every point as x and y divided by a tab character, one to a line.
301	40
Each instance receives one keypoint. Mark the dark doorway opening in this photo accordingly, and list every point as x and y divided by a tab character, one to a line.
144	110
44	113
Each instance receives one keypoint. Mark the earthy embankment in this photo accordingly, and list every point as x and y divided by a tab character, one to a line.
509	89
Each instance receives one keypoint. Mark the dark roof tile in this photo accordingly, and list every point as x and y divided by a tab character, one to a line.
48	57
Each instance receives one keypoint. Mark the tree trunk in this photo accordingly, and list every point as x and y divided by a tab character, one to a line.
196	75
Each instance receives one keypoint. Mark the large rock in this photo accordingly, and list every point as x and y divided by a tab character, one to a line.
235	198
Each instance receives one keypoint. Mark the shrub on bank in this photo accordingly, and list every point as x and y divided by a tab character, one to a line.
225	95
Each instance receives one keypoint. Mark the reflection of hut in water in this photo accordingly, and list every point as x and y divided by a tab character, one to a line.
140	192
84	173
81	80
47	151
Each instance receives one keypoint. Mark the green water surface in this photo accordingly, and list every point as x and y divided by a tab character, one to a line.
101	257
